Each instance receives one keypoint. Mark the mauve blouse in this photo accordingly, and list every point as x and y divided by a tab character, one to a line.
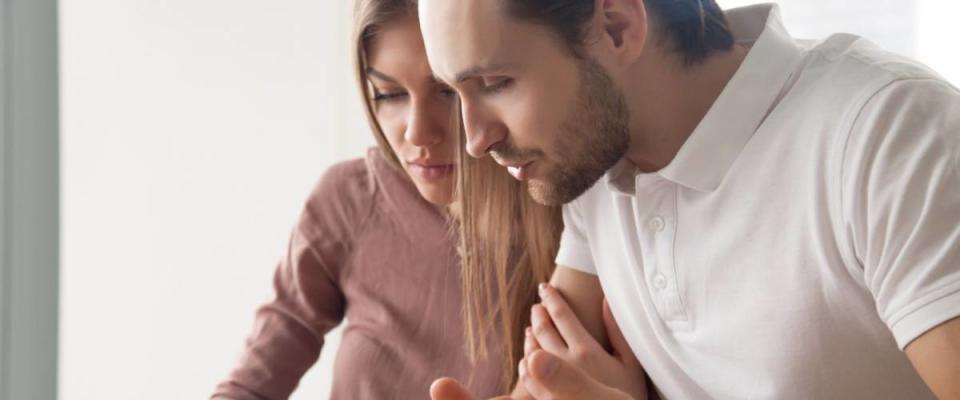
367	249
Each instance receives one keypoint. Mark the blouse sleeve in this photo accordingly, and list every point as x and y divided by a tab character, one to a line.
288	331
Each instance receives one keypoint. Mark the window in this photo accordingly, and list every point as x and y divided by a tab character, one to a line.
921	29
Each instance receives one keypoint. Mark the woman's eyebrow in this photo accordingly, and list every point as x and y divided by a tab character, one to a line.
380	75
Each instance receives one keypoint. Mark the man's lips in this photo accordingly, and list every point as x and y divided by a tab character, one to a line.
519	172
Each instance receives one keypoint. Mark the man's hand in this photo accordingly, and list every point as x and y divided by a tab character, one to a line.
558	351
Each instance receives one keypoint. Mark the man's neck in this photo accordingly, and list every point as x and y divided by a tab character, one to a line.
668	99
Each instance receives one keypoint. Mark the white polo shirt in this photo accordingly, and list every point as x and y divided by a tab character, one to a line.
807	231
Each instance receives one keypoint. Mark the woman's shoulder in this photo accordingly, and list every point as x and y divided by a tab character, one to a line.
343	198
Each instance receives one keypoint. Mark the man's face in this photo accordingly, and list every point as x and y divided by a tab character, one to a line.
554	120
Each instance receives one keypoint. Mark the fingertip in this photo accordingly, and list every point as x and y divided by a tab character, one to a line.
448	389
438	386
545	290
539	320
536	315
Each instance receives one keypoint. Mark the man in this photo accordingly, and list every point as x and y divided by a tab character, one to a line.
767	218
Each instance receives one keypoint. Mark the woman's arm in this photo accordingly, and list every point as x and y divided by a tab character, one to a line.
288	331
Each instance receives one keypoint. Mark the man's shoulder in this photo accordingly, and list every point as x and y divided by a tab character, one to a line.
846	62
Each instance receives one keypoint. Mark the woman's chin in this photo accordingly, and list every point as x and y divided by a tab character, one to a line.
441	195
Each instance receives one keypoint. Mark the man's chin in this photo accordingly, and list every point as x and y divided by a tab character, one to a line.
562	189
545	193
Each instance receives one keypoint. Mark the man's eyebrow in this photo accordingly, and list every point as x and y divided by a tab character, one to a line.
478	70
438	79
380	75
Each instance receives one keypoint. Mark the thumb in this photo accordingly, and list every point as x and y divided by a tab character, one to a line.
448	389
621	349
565	381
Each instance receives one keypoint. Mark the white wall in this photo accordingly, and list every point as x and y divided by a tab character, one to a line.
192	130
937	33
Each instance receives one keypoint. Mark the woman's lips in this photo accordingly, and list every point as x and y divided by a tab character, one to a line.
431	173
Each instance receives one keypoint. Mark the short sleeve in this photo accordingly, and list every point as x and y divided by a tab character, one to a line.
901	203
574	249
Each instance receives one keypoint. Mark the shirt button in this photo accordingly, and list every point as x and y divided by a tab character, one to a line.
660	281
657	224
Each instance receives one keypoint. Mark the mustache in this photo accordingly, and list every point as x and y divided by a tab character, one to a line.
505	151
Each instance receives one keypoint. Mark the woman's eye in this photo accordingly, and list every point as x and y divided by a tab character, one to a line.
448	91
389	96
493	85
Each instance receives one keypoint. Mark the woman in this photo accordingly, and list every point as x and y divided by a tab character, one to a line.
374	245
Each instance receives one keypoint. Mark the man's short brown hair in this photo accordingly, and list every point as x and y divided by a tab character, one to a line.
694	28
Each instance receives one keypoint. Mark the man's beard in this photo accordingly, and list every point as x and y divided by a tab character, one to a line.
592	140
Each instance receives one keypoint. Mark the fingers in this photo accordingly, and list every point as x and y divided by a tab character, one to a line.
448	389
563	317
530	343
562	380
529	346
545	332
621	349
530	386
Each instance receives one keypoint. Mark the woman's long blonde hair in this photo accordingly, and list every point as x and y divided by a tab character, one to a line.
369	16
508	244
507	241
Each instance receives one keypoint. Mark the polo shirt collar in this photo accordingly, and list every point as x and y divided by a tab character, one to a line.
707	155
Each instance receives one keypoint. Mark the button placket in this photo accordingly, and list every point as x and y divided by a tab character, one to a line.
657	232
675	310
656	224
659	281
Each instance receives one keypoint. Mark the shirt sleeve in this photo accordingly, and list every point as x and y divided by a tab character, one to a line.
901	202
308	302
574	249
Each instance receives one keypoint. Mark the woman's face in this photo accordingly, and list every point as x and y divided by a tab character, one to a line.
413	108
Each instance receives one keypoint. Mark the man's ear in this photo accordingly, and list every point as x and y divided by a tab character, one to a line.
622	27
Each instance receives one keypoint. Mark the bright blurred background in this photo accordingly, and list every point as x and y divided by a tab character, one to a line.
192	132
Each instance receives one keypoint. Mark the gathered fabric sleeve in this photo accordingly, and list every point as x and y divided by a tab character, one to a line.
288	331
